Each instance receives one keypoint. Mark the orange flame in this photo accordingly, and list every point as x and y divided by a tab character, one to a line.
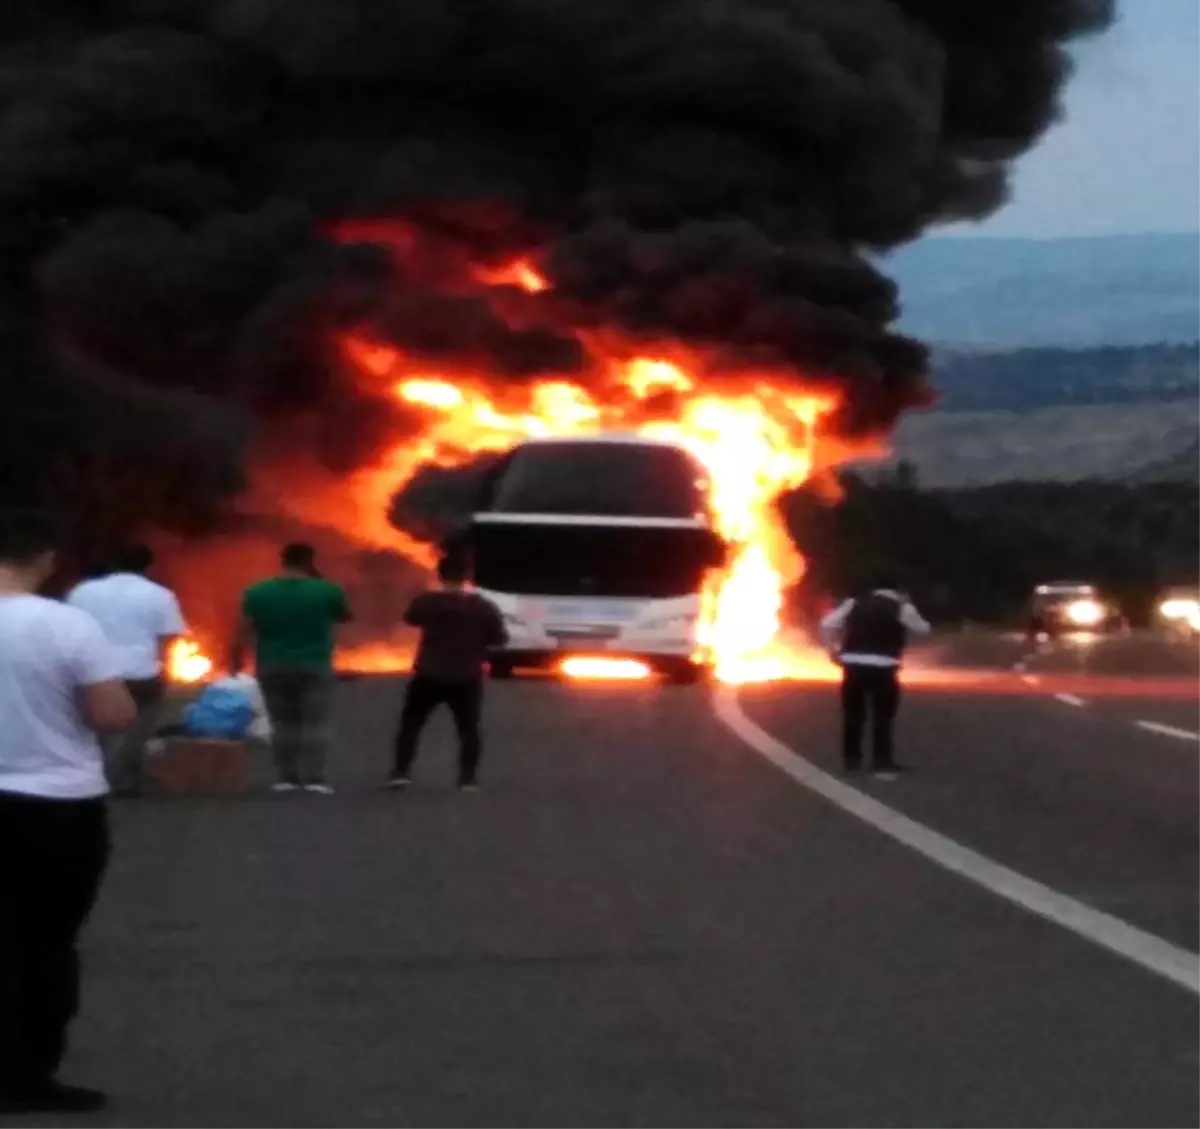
431	393
601	669
754	445
186	662
375	658
521	273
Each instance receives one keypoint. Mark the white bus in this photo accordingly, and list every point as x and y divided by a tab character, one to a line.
597	546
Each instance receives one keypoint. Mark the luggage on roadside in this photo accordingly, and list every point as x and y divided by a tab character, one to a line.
228	709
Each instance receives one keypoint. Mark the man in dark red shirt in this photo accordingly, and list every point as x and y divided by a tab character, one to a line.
459	629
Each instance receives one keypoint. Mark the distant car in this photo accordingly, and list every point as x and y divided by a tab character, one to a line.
1177	612
1067	607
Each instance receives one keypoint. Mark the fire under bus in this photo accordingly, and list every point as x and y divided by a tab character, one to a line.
601	555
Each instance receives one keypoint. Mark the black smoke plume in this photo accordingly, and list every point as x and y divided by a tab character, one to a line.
173	174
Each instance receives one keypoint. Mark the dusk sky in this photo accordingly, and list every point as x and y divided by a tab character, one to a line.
1126	157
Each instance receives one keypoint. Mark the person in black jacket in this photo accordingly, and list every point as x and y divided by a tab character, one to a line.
868	635
459	629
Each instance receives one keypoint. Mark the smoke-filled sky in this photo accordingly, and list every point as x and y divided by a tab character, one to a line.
172	173
1133	106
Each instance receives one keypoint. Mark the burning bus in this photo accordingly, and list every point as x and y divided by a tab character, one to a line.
599	552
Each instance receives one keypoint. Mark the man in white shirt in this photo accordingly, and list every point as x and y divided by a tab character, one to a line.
140	619
868	635
60	683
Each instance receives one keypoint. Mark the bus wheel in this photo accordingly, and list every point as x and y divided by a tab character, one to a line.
501	669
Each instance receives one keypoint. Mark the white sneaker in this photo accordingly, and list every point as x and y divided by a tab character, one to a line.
285	786
319	789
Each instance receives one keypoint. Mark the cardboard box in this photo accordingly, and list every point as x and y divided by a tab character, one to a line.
201	767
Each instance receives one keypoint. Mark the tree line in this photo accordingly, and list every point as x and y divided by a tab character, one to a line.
1025	379
977	553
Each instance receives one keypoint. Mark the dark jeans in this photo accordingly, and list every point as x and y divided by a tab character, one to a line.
52	859
298	705
125	752
465	702
873	690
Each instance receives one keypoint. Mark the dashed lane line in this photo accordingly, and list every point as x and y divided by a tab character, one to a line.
1080	703
1070	700
1168	730
1152	953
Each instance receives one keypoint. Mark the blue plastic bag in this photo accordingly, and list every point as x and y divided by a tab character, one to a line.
223	710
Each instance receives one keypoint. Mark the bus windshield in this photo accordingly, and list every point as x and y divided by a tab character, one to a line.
594	560
598	479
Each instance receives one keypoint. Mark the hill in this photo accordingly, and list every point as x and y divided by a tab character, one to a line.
1061	415
1026	379
978	552
1002	293
1181	466
1142	442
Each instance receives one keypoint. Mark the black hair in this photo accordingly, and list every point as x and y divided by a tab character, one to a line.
132	558
454	568
299	555
886	580
26	535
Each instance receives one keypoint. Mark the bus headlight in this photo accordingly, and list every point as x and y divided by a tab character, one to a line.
1085	613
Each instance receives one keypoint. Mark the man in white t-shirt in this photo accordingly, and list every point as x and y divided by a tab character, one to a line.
60	683
140	619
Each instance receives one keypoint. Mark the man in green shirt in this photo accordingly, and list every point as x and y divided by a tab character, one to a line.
292	620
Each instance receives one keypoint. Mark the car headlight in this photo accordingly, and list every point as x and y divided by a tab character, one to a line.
1085	613
1179	608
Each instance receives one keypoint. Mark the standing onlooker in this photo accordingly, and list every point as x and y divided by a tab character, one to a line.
60	680
459	628
140	619
292	619
871	632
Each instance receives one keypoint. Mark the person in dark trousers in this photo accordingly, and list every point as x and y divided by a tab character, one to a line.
292	619
459	628
61	683
868	635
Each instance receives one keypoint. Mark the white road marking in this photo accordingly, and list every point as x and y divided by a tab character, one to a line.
1168	730
1152	953
1070	699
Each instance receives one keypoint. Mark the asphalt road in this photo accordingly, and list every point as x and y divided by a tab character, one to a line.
640	921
